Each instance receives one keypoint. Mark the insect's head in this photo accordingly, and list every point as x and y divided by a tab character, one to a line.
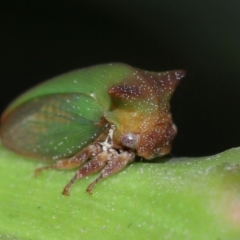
152	143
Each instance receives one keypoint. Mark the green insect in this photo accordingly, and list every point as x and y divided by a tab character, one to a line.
94	119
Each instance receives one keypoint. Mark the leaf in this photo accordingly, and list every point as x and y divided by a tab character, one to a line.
183	198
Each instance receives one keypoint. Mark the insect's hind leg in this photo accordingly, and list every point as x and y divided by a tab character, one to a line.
74	161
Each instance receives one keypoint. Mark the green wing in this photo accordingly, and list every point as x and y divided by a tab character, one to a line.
53	126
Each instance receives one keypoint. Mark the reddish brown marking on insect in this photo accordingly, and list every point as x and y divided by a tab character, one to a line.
164	84
157	141
4	117
127	91
164	81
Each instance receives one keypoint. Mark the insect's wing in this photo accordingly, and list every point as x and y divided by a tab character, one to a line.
52	126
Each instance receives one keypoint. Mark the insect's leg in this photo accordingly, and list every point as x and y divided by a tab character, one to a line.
93	166
75	161
113	166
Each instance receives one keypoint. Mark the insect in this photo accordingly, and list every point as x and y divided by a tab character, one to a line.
96	119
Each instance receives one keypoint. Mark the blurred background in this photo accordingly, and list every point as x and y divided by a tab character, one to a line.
41	39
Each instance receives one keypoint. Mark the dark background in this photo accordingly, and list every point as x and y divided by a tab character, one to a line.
41	39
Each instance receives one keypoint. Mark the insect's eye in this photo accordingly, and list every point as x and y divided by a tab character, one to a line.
130	140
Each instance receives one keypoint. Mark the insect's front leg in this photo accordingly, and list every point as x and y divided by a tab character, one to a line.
113	166
93	166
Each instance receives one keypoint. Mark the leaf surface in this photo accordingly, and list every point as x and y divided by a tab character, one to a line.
183	198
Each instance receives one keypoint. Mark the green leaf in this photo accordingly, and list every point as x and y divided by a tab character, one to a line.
183	198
